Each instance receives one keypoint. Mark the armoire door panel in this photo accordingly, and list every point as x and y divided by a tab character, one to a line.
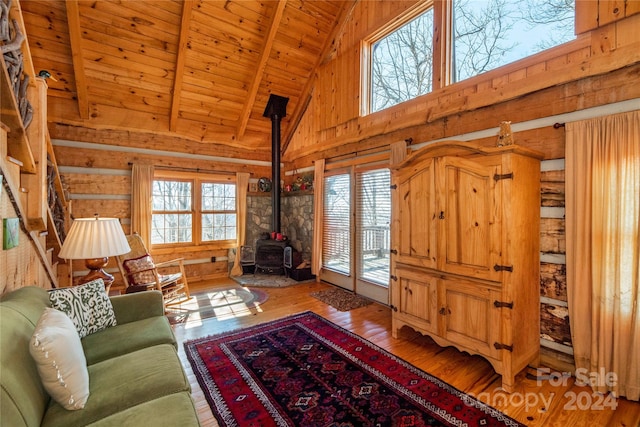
417	217
417	298
470	219
470	316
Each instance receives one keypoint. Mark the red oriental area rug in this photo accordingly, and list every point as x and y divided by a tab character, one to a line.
306	371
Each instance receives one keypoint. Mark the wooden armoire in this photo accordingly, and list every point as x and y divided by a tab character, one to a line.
465	261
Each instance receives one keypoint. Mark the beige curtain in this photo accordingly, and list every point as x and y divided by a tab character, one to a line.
242	181
318	217
603	250
141	191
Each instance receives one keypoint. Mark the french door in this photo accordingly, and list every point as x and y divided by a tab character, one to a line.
356	231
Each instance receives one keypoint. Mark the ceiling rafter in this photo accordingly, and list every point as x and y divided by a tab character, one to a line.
185	23
328	52
75	38
264	56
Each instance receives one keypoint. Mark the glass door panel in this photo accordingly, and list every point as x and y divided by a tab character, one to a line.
337	231
373	213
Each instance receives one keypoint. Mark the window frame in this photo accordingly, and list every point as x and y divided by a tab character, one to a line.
443	27
196	179
367	43
214	212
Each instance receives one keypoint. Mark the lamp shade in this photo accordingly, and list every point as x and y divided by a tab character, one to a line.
94	238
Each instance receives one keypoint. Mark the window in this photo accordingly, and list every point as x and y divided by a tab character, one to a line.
401	62
489	34
172	217
218	211
193	211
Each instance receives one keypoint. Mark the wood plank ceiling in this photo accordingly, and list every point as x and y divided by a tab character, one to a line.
200	70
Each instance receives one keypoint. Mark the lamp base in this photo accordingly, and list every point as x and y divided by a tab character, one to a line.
95	266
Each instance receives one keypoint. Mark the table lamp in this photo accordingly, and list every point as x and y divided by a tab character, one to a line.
95	240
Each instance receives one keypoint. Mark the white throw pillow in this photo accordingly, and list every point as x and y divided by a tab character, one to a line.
56	348
88	306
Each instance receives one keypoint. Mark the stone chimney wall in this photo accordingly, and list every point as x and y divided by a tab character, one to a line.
296	217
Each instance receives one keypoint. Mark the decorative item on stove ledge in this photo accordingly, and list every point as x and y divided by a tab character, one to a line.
303	183
95	240
264	184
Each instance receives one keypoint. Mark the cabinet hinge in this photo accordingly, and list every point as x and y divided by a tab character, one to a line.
393	187
394	278
503	268
498	177
500	346
393	251
500	304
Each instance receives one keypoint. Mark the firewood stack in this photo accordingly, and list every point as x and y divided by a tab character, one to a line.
11	37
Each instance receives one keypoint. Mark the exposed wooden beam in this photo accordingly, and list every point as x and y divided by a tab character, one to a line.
187	8
75	38
328	52
264	56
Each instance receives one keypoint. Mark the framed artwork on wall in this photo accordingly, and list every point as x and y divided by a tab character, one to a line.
10	232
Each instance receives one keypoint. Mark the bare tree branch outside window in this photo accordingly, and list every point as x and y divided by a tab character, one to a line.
487	34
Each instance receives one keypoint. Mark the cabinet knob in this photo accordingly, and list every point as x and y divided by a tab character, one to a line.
442	311
441	216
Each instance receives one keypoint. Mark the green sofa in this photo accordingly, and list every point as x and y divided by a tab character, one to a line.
135	375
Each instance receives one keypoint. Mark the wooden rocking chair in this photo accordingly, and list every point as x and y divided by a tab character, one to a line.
141	273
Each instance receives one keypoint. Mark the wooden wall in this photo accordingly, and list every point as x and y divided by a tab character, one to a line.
96	169
19	266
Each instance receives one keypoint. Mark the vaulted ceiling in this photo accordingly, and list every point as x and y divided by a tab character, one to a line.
201	70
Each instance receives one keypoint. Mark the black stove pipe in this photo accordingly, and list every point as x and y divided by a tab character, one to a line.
276	110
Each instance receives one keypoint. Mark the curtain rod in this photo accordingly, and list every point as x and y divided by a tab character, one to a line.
185	169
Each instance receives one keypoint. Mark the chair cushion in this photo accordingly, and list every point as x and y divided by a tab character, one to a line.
56	348
140	270
169	278
87	305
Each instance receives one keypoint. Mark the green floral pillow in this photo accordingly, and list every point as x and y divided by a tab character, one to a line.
88	306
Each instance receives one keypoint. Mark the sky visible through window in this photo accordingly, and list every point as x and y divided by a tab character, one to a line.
492	33
487	34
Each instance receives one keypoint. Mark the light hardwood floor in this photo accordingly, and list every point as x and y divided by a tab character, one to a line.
535	403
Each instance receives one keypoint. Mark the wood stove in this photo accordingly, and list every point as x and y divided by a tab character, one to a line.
269	256
269	253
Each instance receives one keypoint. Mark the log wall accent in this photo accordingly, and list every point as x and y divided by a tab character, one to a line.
555	332
552	187
553	281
